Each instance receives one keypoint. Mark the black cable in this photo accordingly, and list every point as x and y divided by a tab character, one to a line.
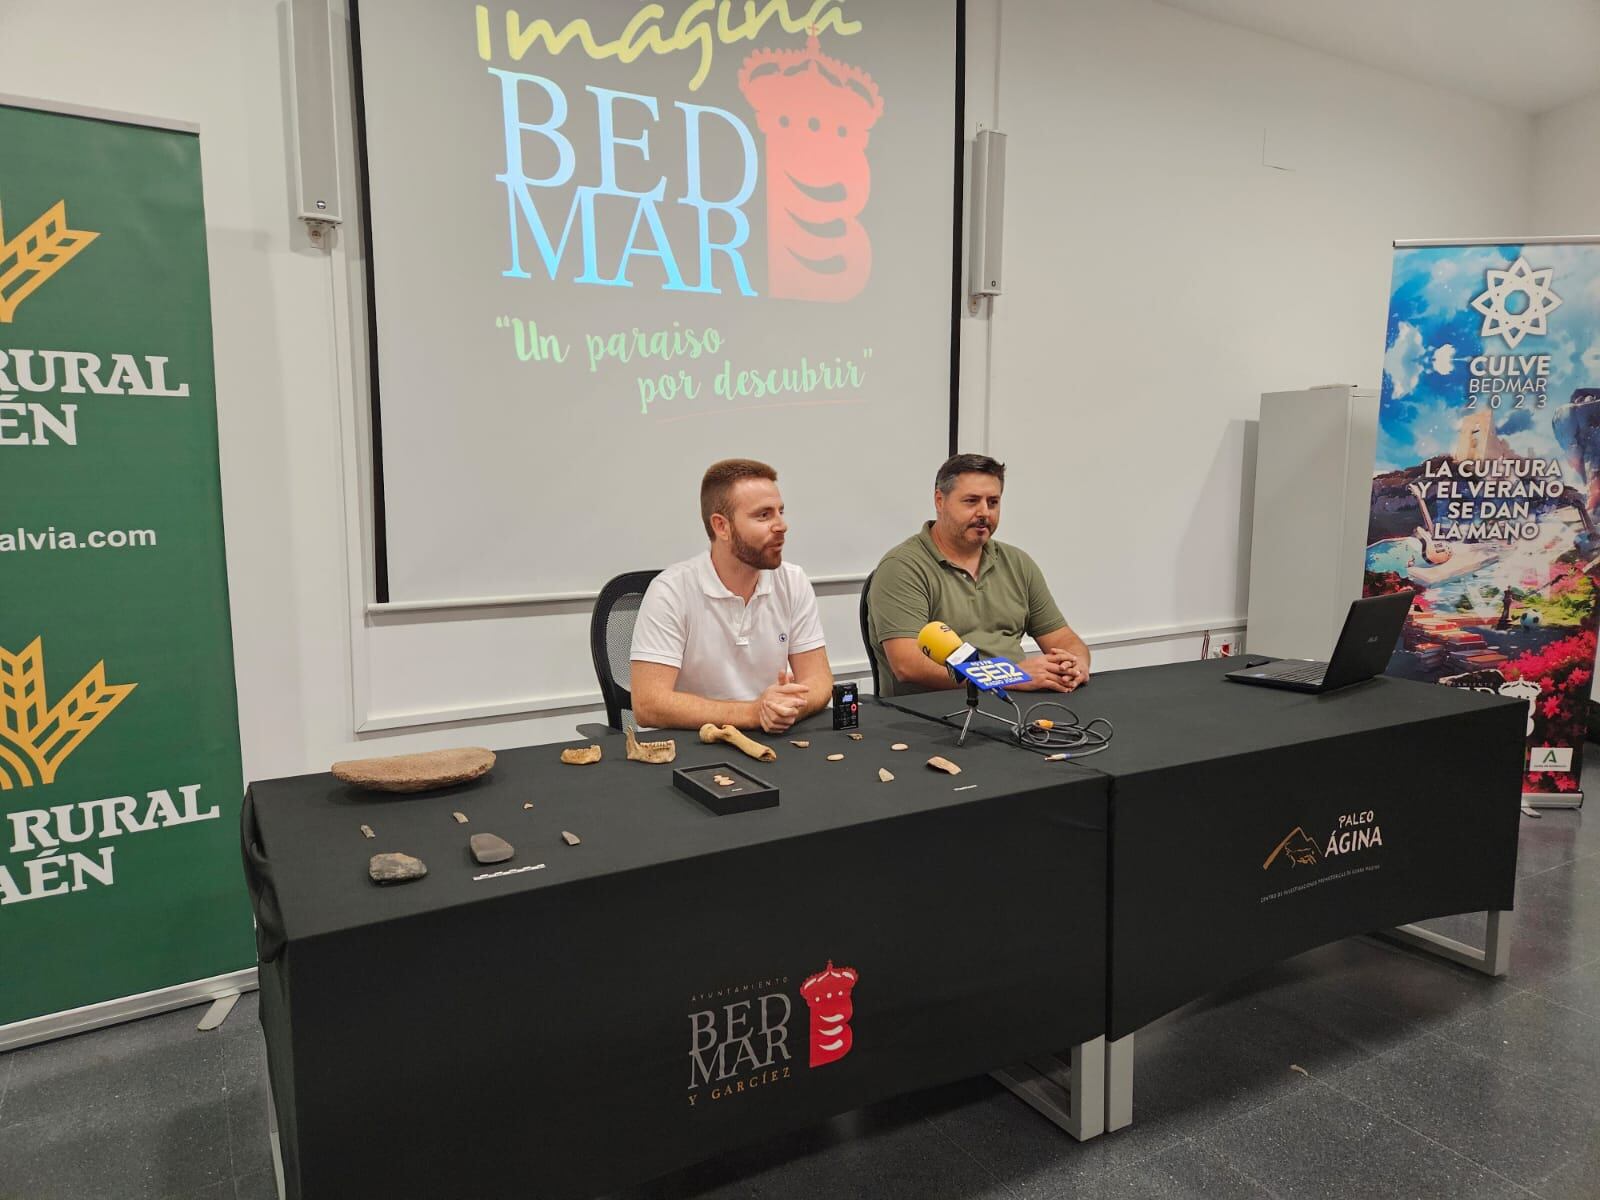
1072	737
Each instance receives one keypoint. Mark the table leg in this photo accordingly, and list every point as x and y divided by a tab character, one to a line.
1069	1094
1493	959
1119	1083
277	1148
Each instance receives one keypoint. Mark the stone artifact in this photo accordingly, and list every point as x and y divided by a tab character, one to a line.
487	848
835	758
899	746
527	804
855	737
366	832
395	868
727	733
461	817
722	780
800	745
884	776
571	839
944	764
581	758
650	752
416	772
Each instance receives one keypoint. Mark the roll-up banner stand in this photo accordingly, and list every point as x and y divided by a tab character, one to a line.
121	890
1486	490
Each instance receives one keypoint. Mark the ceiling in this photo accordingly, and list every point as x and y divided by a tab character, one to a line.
1530	56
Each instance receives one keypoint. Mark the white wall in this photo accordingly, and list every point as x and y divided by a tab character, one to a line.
1159	278
1567	168
1196	214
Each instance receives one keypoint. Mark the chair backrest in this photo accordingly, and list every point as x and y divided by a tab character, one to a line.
866	634
611	640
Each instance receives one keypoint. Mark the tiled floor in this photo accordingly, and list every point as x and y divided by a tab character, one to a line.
1416	1079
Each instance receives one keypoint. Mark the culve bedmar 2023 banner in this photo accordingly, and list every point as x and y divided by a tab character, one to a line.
1487	486
120	779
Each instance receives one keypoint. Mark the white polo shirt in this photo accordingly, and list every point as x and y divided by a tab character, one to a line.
725	649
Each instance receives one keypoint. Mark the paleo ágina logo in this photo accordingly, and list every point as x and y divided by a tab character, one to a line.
1516	302
36	737
28	260
742	1045
1303	861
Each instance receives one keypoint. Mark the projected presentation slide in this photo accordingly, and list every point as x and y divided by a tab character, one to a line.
611	243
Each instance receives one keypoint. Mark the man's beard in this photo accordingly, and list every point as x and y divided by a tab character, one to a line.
753	556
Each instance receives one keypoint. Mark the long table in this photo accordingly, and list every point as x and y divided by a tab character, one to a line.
678	983
1248	824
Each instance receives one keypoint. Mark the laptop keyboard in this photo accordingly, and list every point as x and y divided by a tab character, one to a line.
1310	673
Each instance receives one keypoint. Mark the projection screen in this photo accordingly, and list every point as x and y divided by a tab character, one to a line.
611	243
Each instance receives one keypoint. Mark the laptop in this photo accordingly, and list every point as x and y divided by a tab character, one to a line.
1366	643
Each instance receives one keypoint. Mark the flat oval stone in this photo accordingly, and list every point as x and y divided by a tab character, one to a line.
487	848
416	772
395	868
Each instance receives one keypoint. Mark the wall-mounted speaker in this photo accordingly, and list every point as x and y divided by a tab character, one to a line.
986	236
316	131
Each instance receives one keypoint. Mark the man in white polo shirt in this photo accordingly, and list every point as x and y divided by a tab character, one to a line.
732	636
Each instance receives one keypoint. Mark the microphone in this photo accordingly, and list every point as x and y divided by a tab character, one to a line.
943	645
939	642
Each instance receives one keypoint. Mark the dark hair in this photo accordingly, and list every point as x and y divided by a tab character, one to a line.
967	464
716	486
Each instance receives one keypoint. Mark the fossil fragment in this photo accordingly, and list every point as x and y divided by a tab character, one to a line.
650	752
884	776
570	839
855	737
835	758
800	745
366	832
395	868
899	746
581	757
727	733
461	817
944	764
416	772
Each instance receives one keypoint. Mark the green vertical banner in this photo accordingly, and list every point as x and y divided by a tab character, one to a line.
120	777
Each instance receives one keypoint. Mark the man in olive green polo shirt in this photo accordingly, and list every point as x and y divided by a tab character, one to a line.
988	592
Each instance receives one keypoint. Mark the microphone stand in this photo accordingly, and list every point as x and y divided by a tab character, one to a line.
973	710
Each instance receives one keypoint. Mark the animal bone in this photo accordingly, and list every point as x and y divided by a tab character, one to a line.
461	817
835	758
650	752
855	737
884	776
366	832
571	839
581	758
727	733
944	764
899	746
800	745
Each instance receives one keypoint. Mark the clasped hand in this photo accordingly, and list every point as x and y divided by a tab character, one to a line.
1054	671
781	704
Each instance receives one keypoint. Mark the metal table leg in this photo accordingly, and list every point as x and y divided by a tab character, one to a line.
1119	1083
1494	959
1069	1094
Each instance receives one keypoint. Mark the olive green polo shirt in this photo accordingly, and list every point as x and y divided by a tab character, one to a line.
915	584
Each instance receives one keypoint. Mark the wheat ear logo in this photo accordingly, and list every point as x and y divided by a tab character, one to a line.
36	737
28	260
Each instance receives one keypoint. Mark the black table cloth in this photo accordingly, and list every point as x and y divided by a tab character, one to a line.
678	983
1249	824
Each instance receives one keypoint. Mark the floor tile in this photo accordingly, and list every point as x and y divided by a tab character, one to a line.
1185	1172
152	1061
1530	1035
1318	1143
1576	989
172	1145
1515	1125
261	1185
